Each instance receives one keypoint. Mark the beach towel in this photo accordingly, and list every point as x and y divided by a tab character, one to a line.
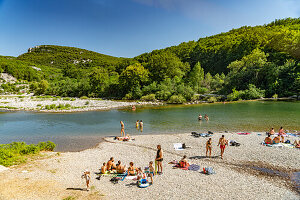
183	168
292	134
178	146
288	145
194	167
131	177
243	133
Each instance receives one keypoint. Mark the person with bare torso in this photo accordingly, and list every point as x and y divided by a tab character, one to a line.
222	142
122	129
110	164
120	168
159	159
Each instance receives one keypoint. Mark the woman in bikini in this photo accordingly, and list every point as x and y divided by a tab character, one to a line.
208	147
132	169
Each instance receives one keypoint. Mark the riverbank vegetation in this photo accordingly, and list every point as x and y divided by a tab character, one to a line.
18	152
244	63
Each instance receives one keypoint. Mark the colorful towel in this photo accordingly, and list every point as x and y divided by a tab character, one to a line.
194	167
178	146
243	133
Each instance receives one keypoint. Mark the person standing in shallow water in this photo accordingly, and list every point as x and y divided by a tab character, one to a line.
137	124
122	129
141	125
159	159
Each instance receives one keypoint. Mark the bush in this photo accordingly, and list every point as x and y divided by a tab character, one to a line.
275	96
163	95
253	92
17	152
177	99
234	96
203	90
149	97
84	97
212	100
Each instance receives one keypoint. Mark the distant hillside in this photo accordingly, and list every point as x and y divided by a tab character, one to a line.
60	56
279	38
244	63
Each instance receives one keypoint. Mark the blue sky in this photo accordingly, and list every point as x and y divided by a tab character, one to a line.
127	28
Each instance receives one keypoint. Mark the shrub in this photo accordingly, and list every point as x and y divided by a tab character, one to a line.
163	95
275	96
234	96
177	99
149	97
17	152
212	100
87	103
253	92
84	97
203	90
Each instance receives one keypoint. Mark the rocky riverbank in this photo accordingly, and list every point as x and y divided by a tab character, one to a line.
58	175
58	104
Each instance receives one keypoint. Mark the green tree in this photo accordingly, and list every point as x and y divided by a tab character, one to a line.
132	77
196	77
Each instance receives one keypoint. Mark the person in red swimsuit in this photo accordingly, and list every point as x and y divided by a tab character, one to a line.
222	142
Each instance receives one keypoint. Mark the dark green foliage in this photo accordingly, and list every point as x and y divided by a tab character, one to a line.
244	63
17	152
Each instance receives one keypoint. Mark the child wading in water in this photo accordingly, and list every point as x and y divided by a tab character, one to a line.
86	175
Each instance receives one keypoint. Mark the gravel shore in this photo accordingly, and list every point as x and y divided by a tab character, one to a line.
58	175
32	103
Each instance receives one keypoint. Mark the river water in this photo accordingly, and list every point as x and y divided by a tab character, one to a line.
76	131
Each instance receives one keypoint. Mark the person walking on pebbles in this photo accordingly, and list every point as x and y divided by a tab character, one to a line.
222	143
159	159
87	176
122	129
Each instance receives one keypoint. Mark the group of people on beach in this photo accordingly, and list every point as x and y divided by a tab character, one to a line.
119	168
205	117
277	139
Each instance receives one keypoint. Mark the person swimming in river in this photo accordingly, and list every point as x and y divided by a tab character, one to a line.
200	117
141	125
133	108
206	117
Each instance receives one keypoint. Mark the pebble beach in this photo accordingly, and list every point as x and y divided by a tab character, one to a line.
58	175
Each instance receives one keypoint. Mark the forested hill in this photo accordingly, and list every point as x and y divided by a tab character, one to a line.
244	63
60	56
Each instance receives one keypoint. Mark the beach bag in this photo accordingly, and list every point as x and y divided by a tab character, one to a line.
208	170
211	133
288	142
183	146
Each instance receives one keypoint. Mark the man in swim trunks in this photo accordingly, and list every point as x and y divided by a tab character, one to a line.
122	129
268	140
110	164
120	168
222	143
159	159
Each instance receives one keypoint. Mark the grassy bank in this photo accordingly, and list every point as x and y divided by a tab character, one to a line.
18	152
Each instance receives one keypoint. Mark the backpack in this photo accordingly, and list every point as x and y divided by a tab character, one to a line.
183	146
